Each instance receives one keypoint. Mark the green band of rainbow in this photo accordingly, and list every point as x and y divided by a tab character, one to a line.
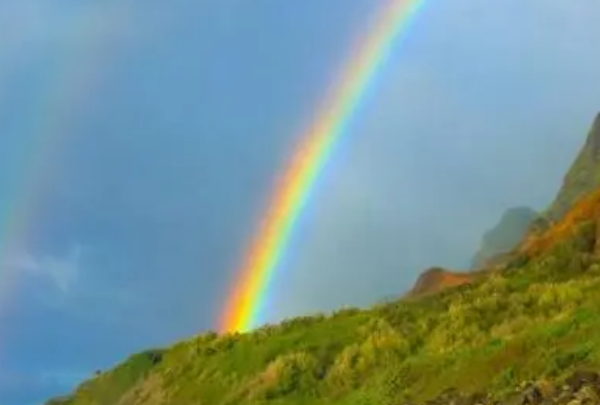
290	196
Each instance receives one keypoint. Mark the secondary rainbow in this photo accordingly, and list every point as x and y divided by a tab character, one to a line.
70	86
244	303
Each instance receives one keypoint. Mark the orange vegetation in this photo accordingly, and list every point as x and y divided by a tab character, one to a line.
588	208
437	279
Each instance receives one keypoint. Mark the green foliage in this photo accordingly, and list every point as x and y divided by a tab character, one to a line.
541	317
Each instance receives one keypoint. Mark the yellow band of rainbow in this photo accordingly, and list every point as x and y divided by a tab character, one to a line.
290	195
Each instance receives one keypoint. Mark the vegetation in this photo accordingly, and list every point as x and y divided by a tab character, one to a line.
538	316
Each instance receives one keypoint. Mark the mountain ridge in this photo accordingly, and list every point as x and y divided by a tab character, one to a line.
582	177
522	223
504	236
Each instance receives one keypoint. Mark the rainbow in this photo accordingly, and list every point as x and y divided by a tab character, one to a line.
292	191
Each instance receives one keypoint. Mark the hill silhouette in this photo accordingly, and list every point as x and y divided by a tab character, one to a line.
525	331
437	279
505	236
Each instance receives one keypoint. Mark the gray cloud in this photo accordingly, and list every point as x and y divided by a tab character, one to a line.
62	271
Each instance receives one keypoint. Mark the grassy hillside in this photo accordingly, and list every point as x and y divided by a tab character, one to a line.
537	317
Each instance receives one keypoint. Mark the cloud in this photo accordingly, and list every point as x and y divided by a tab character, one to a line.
72	284
61	271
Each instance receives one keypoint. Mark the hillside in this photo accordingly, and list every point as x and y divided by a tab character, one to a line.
436	279
504	236
582	177
539	317
528	330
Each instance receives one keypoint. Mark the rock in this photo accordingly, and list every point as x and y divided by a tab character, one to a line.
532	396
564	397
565	388
547	388
587	395
582	377
582	387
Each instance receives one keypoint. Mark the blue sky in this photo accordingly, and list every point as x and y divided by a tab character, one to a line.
166	158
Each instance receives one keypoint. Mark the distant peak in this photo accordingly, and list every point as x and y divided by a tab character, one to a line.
504	236
518	212
593	140
436	279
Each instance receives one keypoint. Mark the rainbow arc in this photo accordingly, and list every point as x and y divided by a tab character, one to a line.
291	193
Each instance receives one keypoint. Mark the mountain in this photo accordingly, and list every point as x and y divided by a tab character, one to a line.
505	236
526	333
582	221
582	177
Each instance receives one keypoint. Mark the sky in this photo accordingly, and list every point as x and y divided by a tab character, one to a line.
139	142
